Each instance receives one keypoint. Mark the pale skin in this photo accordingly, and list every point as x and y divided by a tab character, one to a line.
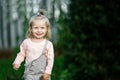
39	30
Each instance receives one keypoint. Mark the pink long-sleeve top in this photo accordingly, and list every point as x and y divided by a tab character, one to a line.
30	50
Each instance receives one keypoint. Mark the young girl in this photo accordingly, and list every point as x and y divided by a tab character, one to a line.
33	47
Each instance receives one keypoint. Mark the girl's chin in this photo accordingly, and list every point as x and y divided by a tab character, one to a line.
39	37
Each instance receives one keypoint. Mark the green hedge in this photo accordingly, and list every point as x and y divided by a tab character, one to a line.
89	40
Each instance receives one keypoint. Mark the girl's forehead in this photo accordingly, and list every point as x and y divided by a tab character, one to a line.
39	22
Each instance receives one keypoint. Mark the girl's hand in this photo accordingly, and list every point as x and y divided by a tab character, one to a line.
46	76
15	66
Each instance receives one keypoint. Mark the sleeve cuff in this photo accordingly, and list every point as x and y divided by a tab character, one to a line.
48	72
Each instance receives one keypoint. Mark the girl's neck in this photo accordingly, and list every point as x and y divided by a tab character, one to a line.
37	40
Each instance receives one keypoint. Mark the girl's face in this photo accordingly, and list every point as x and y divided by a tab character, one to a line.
39	29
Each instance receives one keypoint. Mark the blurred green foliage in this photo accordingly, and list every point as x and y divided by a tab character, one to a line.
90	41
7	72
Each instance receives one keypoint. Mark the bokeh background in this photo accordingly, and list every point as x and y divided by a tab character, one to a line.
85	34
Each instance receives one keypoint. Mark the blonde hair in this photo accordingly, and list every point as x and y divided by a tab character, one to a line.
40	16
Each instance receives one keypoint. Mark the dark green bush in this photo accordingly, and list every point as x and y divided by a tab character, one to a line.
89	40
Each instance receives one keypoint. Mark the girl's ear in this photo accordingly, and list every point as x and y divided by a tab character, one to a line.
30	31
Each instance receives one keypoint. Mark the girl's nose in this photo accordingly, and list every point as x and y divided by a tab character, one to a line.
39	29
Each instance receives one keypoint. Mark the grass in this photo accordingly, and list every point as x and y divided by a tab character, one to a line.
7	72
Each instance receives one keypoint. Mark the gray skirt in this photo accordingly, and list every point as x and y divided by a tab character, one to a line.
33	76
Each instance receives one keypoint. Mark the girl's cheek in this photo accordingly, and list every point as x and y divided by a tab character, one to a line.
34	30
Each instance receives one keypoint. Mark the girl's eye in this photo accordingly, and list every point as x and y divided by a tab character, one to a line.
35	27
42	27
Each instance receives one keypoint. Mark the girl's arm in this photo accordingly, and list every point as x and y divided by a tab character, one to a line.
20	57
50	58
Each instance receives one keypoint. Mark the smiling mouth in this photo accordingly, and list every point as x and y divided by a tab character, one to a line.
38	34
